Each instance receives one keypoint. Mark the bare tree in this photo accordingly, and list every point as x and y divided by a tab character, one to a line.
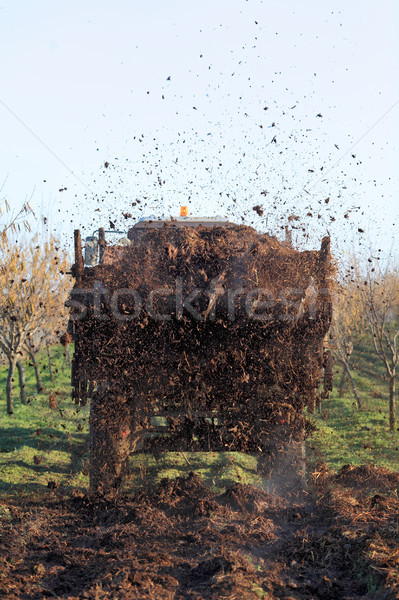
14	222
22	382
32	348
34	289
347	328
380	293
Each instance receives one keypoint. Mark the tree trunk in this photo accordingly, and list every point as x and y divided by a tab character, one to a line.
67	358
353	384
392	407
319	401
50	363
9	385
342	383
39	384
349	350
22	382
312	402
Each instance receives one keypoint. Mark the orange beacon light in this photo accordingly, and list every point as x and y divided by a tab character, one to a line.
183	211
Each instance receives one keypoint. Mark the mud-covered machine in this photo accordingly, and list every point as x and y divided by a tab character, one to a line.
197	334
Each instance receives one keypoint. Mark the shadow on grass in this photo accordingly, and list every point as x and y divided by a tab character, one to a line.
217	470
52	454
21	448
34	489
47	438
39	469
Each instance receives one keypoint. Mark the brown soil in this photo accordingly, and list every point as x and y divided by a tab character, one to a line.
182	541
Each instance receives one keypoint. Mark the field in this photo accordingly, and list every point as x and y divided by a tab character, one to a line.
347	435
199	525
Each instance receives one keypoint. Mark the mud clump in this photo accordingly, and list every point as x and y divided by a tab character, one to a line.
372	476
246	498
184	494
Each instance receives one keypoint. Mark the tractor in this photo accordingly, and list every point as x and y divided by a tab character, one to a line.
198	335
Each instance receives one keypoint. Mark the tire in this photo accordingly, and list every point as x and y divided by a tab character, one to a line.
109	442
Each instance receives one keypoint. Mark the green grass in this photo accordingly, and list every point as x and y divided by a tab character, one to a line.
59	436
219	470
348	435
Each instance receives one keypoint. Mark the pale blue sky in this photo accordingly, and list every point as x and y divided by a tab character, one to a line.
90	78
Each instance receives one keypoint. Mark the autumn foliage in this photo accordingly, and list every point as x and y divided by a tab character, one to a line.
34	288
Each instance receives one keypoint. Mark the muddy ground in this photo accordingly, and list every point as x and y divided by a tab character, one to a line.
339	540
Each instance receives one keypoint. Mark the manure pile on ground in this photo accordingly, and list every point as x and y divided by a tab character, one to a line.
194	321
181	540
